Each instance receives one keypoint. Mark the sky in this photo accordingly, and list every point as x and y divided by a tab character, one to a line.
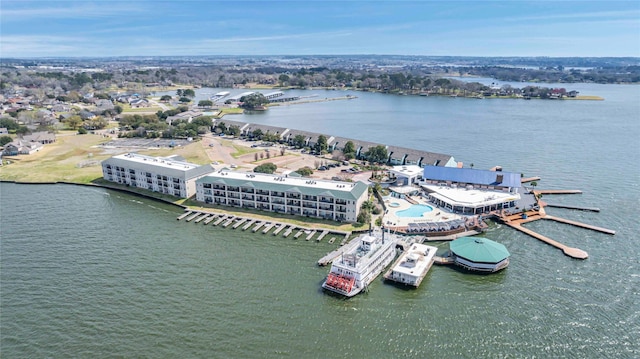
36	29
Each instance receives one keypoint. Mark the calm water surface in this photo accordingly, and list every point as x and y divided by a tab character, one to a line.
87	272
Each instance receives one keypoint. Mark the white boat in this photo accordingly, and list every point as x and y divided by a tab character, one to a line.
352	272
412	265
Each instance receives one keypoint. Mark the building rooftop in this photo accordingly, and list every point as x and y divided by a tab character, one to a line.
170	165
409	170
416	260
309	186
461	196
479	250
470	175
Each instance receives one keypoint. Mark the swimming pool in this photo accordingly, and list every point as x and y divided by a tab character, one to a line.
416	210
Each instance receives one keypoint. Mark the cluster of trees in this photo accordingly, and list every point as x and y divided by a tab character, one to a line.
253	101
366	210
409	74
154	126
265	168
13	127
624	74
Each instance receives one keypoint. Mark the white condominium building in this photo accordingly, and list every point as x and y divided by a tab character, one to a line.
169	175
339	201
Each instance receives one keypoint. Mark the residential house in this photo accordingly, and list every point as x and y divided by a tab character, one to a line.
139	102
21	147
42	137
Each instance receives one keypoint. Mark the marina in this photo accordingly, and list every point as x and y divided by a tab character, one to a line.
245	223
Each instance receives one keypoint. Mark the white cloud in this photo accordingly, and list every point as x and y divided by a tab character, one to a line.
77	10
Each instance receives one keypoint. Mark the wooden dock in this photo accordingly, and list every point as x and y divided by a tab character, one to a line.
239	223
310	235
279	229
288	231
529	179
201	218
324	233
331	256
591	209
195	214
246	226
268	228
184	215
443	260
569	251
557	191
229	221
257	226
219	220
580	224
273	227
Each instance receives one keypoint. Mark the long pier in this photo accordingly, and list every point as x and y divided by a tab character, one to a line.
580	224
569	251
557	191
591	209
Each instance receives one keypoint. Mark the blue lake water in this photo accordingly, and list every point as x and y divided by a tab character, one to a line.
87	272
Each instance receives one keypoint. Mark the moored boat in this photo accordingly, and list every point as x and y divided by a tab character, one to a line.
412	265
357	268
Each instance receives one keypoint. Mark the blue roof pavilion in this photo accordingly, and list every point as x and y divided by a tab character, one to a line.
472	176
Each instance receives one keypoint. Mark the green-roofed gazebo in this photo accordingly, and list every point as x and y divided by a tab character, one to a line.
479	254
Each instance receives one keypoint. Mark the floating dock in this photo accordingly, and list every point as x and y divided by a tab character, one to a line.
268	228
276	228
412	265
190	218
279	229
257	226
324	233
184	215
310	235
229	221
249	224
201	218
591	209
219	220
288	231
557	191
239	223
338	252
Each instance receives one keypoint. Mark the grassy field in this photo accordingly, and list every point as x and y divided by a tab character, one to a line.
74	158
126	109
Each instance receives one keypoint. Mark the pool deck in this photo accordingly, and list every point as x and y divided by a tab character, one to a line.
437	215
